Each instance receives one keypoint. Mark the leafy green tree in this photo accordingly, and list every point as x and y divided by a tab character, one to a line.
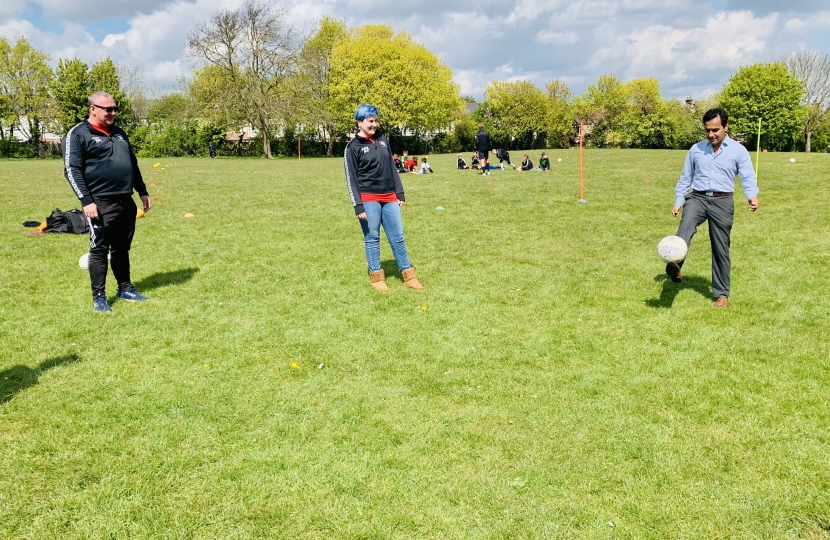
103	76
25	77
518	113
601	107
311	89
560	119
174	107
74	82
70	89
210	92
465	133
685	125
412	88
646	122
768	92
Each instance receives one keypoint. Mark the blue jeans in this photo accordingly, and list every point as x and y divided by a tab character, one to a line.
388	215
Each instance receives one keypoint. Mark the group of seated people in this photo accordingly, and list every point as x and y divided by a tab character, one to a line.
409	164
504	155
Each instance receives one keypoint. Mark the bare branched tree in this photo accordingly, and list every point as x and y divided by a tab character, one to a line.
131	79
255	50
812	68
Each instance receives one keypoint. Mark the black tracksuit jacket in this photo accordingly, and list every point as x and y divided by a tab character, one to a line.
483	141
100	165
370	168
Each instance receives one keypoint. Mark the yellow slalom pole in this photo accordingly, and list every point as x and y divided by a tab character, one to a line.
758	151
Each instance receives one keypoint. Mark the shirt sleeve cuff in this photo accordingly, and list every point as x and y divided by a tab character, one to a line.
358	209
679	201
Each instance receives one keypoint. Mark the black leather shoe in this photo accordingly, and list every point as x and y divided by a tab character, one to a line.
673	271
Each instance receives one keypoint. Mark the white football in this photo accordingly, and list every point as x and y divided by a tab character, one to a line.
83	262
672	249
792	160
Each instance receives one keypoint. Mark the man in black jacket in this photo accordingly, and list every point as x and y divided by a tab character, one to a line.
103	172
483	147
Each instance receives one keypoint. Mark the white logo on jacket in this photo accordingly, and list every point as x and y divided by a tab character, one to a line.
97	139
382	144
365	149
119	137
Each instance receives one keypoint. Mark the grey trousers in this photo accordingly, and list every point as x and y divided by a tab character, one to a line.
720	212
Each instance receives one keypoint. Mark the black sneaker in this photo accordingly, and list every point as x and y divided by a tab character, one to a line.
673	271
101	305
131	295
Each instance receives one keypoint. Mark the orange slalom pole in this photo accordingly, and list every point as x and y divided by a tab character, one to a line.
581	168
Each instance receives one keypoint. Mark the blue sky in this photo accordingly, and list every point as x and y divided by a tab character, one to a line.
692	47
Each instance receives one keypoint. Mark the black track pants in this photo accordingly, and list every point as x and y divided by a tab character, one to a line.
111	233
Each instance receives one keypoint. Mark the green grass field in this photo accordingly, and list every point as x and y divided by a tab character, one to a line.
549	383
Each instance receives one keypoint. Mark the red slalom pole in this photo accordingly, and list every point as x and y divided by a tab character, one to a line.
299	150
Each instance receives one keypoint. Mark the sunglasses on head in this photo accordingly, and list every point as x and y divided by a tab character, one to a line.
109	110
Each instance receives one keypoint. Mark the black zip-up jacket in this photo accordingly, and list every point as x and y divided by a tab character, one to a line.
483	141
370	168
100	165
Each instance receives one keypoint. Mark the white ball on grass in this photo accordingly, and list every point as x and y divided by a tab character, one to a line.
672	249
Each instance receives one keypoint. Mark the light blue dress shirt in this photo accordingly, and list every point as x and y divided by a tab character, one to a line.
705	171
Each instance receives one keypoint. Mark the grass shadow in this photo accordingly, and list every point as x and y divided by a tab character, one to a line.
670	289
390	269
164	279
18	378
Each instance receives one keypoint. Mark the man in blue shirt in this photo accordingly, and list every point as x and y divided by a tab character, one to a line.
704	191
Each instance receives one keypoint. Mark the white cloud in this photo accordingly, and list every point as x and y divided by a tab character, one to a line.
473	81
112	39
727	40
11	8
74	41
86	10
551	37
819	21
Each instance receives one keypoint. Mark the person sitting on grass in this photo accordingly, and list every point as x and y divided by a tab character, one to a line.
398	163
475	164
544	162
461	163
503	156
424	166
527	165
410	164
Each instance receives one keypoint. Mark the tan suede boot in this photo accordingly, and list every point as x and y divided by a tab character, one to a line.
410	279
378	279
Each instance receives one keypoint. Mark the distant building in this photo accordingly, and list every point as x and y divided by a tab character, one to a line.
690	104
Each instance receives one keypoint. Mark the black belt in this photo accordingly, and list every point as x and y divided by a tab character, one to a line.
714	193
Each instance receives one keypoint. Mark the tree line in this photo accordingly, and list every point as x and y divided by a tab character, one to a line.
259	72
